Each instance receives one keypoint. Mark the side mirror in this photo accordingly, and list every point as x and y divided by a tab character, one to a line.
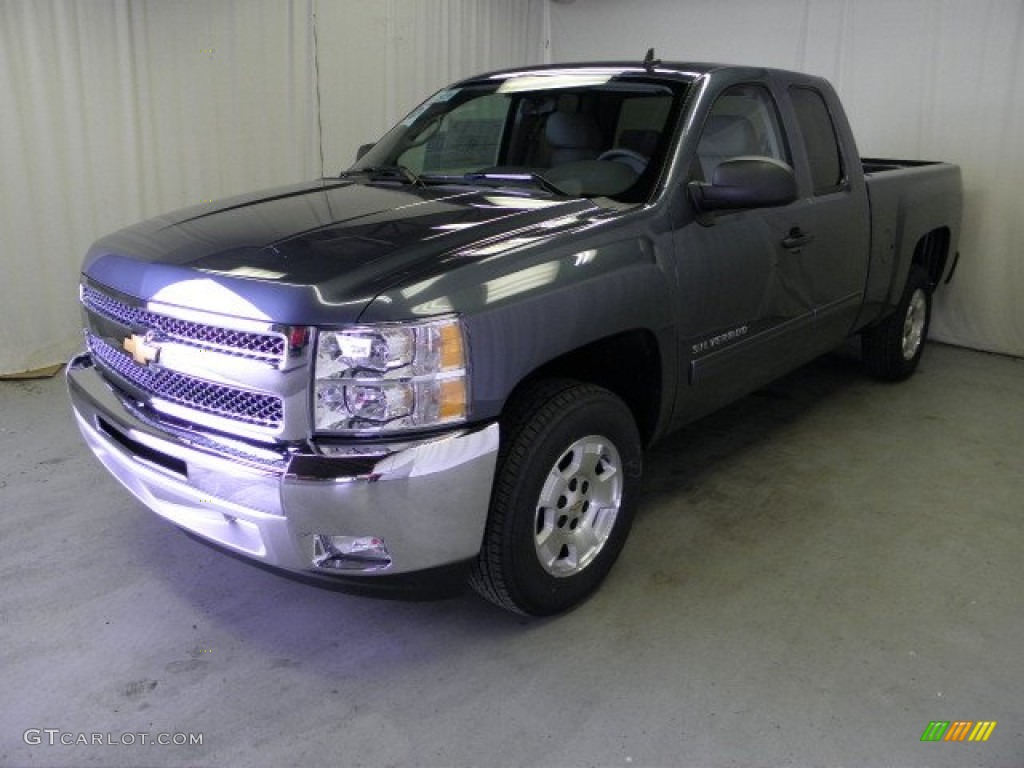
363	150
746	182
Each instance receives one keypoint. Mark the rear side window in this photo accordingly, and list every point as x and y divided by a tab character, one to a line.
819	133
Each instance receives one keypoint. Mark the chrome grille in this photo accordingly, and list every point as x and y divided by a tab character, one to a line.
256	346
199	440
205	396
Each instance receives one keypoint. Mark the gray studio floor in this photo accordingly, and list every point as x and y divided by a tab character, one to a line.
816	573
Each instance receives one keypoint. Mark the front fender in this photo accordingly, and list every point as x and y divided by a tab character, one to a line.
530	300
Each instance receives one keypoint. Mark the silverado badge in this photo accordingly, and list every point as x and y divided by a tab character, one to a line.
141	350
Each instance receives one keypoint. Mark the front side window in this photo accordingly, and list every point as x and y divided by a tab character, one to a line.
819	135
742	123
589	134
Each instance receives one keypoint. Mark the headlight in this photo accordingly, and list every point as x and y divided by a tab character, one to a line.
384	378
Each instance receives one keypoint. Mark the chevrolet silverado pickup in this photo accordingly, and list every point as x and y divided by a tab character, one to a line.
449	359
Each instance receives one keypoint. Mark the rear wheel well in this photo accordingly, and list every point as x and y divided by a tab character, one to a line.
932	253
628	364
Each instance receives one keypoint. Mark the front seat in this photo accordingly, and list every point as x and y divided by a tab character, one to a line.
725	137
572	136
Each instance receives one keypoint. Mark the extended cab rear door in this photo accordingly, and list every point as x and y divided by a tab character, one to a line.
837	218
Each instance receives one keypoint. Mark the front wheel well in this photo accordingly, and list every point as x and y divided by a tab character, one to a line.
627	364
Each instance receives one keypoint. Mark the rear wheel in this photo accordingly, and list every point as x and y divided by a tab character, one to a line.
568	471
892	349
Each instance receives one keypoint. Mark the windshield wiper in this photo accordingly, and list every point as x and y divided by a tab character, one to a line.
395	172
517	178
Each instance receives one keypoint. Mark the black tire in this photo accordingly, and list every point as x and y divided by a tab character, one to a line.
892	349
576	447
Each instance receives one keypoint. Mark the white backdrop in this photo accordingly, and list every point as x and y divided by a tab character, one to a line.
380	58
115	110
921	79
112	111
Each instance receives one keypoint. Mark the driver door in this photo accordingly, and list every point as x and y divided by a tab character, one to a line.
746	307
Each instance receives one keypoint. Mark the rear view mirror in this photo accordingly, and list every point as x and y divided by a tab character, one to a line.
746	182
363	150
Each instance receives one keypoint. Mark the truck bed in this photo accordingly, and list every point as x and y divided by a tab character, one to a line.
873	165
915	211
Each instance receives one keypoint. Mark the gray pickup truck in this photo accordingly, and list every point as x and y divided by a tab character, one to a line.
447	361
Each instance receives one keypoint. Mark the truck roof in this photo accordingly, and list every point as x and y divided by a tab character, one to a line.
686	71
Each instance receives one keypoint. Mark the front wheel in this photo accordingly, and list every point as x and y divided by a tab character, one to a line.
892	349
568	471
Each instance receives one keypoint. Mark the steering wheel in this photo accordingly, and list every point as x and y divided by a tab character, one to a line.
633	159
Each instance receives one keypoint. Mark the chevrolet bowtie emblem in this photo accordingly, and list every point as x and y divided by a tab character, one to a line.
141	350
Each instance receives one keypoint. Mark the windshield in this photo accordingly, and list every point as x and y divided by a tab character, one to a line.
573	134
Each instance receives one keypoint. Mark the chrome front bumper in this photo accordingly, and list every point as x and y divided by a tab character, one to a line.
424	503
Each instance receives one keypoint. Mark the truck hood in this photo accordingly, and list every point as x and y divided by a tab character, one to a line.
321	251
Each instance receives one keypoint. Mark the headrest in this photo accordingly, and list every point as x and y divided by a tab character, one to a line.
728	136
572	130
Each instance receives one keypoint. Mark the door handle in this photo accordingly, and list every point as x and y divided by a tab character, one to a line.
796	239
